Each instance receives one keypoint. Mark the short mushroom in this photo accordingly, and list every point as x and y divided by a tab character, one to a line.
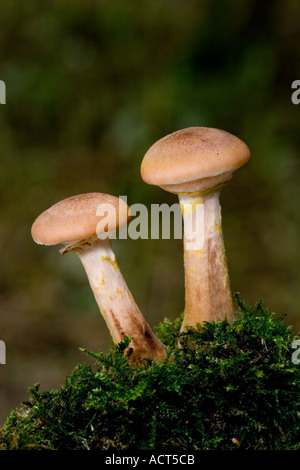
195	163
84	224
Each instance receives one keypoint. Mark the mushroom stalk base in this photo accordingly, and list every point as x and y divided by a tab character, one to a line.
207	287
121	313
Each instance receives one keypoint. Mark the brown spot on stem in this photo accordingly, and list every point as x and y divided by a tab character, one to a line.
211	252
117	324
198	293
150	340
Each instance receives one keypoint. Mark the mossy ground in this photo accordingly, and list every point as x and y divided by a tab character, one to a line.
228	386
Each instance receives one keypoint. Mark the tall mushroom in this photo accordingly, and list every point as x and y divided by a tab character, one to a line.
195	163
81	223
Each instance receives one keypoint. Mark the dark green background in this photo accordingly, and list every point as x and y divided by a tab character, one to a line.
90	87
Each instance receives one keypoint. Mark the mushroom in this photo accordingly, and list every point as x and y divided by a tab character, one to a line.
85	225
195	163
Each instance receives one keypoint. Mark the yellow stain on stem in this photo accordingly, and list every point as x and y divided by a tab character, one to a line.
119	292
187	208
113	262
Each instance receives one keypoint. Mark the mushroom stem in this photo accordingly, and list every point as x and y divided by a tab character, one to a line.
120	312
207	287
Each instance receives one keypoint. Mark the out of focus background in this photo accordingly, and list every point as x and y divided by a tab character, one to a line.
90	86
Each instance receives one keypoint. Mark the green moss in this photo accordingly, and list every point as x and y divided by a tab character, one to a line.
228	386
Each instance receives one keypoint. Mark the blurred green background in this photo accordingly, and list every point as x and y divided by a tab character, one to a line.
90	87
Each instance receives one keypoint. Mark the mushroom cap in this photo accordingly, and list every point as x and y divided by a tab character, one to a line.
192	154
76	219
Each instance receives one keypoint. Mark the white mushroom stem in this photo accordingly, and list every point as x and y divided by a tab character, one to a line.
207	288
121	313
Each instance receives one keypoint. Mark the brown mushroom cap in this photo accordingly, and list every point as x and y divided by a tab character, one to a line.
75	218
193	153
